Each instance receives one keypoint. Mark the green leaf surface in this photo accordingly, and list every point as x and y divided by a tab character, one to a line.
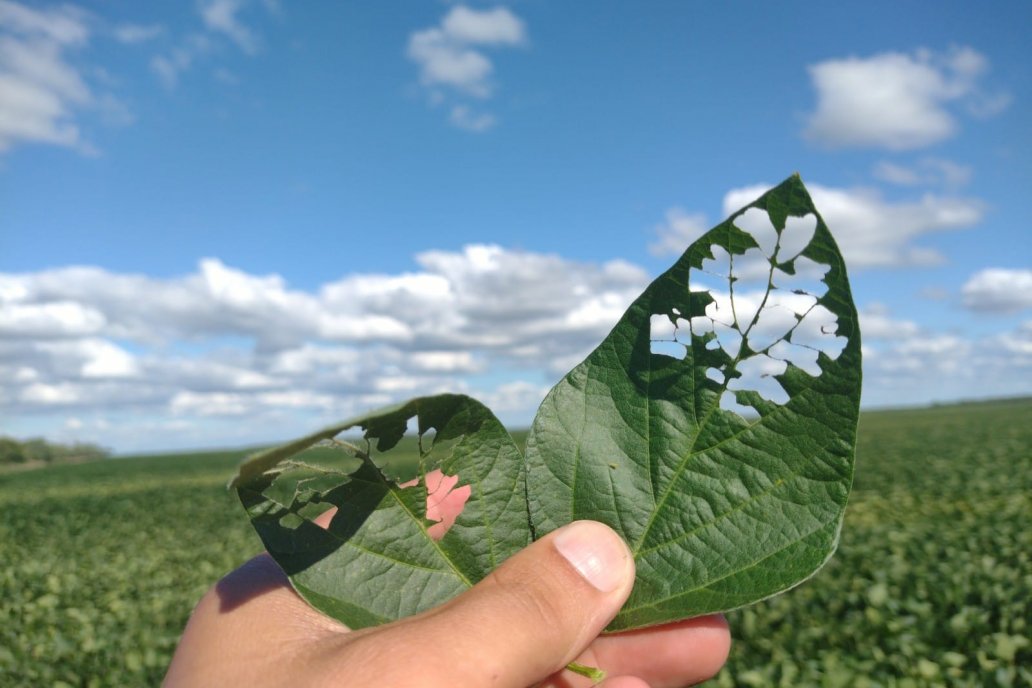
713	428
720	508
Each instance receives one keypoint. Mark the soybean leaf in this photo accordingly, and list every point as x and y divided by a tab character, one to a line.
376	561
714	428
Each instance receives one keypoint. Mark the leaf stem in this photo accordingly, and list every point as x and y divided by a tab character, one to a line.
595	674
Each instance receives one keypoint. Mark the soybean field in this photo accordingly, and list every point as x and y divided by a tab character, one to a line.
932	584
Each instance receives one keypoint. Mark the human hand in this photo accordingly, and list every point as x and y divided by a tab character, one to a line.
540	610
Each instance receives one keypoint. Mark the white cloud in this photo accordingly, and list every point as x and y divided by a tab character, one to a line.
50	395
876	323
897	100
465	118
497	26
515	397
64	25
679	229
52	319
220	16
106	360
998	290
445	361
210	404
43	93
873	232
1018	343
451	56
222	343
904	364
170	67
220	19
447	63
926	172
132	34
209	348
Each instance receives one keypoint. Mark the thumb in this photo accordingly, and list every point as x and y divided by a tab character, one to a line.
532	615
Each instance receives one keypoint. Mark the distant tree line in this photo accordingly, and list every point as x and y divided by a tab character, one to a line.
37	450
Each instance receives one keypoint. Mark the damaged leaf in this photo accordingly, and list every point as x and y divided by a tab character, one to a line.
721	506
714	429
376	561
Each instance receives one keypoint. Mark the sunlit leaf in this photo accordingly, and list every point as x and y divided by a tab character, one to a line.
725	497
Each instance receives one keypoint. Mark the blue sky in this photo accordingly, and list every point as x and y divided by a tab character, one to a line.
230	221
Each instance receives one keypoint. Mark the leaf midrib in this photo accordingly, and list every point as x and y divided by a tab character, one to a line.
636	549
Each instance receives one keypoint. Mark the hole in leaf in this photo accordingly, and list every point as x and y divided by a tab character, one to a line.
766	313
745	305
750	269
729	402
781	313
757	222
701	325
729	338
806	277
796	236
671	349
663	338
444	501
717	266
758	375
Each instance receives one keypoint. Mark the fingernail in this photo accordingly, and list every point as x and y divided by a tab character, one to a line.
596	552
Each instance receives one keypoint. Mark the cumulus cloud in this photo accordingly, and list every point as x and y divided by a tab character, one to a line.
898	101
874	232
43	91
53	319
998	290
451	58
221	343
224	356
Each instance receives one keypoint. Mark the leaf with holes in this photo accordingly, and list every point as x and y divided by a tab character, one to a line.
380	558
713	429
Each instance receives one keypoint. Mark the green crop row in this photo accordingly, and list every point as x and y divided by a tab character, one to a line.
931	586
